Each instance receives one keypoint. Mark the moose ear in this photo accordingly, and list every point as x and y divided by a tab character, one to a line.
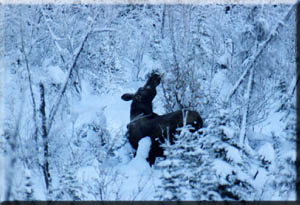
127	97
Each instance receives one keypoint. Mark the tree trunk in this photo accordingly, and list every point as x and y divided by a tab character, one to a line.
163	22
246	108
46	171
30	86
173	43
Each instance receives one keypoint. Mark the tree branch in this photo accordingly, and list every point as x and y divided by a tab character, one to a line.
54	37
69	69
30	83
63	90
249	62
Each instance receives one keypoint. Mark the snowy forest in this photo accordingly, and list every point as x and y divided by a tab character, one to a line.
63	123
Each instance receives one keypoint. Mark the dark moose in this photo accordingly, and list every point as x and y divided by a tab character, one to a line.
144	122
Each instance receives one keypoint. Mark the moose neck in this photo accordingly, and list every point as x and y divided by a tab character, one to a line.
140	108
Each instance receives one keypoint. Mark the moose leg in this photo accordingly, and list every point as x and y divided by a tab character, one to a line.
151	158
155	151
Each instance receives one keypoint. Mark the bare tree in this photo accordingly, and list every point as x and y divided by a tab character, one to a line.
248	64
181	88
249	67
45	166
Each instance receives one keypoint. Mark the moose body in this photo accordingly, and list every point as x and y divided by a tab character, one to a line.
160	128
144	122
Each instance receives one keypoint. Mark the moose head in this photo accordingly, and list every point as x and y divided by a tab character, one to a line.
157	127
142	99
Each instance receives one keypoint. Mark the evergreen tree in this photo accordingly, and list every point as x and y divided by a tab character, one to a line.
216	168
70	188
190	152
201	178
173	183
284	181
232	165
284	172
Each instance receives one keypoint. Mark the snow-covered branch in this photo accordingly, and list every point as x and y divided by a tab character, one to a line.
25	55
54	37
246	108
249	62
69	66
99	30
63	90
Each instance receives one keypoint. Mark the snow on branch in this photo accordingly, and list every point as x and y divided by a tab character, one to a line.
54	37
70	68
25	55
75	57
249	62
103	30
246	108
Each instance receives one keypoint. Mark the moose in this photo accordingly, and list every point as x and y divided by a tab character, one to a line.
144	122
